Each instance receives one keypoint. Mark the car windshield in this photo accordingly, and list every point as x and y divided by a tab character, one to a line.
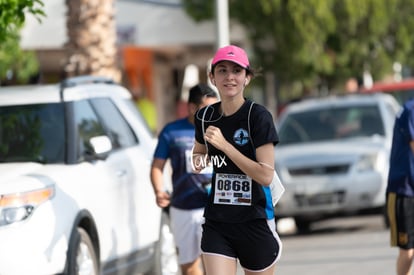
332	123
32	133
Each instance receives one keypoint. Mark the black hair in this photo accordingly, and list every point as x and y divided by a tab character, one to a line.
199	91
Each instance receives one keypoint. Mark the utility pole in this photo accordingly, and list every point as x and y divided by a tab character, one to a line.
222	30
222	23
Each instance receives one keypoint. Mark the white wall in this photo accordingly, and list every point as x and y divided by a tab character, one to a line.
51	32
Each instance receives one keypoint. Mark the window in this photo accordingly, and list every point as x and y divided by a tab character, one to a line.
32	133
115	124
87	126
332	124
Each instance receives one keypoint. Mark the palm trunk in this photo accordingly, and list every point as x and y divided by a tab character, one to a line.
91	47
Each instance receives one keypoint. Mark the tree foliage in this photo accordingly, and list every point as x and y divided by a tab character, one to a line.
13	15
326	41
14	62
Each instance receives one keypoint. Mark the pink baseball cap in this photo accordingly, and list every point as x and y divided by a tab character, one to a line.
231	53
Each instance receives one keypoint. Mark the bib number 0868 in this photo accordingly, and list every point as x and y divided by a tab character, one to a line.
234	185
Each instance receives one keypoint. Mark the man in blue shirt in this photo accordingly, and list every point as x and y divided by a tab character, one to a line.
189	194
400	190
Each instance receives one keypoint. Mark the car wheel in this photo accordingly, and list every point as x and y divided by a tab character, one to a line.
82	259
302	225
166	258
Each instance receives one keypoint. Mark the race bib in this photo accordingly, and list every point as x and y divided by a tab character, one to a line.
233	189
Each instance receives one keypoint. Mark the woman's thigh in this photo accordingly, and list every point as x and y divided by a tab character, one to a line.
219	265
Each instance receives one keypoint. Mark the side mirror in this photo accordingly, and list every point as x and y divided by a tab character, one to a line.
101	144
99	147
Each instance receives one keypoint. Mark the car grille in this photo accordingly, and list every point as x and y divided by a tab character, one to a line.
320	170
320	199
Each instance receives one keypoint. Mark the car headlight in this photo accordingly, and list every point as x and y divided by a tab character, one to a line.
19	206
366	163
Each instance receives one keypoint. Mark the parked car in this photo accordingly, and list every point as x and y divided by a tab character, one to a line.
402	90
75	192
333	156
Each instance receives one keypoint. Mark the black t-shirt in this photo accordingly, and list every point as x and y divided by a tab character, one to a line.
255	202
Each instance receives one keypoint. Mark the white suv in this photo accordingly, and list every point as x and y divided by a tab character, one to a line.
75	192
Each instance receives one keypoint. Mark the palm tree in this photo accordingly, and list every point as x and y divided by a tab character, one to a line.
91	47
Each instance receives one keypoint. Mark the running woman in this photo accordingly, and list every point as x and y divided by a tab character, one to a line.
237	137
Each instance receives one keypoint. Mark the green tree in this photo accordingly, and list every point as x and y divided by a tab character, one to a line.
16	65
13	15
14	62
327	41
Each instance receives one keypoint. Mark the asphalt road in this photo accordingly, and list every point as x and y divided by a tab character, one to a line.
340	246
343	246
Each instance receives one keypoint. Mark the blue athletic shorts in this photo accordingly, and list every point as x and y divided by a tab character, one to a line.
255	243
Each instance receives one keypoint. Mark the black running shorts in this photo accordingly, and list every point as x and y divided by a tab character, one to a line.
255	243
